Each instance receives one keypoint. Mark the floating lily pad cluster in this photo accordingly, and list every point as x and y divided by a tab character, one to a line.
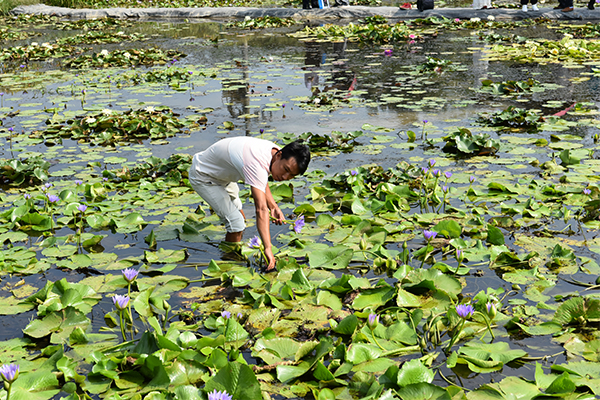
545	51
588	30
124	58
371	33
26	171
108	127
12	34
513	118
36	51
263	23
337	141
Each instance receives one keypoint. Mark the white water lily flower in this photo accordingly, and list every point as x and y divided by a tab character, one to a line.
149	109
317	100
107	112
47	45
34	44
247	18
90	120
104	53
475	19
491	17
126	55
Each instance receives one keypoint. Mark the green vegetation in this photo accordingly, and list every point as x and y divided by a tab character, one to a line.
441	245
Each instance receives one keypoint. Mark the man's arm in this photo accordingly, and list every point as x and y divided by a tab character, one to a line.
275	210
262	223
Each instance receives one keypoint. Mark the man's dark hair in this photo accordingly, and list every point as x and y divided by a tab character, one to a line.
300	152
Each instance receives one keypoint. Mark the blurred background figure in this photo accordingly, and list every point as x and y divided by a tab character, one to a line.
534	6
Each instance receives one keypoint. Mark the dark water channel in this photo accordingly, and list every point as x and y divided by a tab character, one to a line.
254	74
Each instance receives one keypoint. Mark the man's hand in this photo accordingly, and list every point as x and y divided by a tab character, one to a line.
270	259
277	215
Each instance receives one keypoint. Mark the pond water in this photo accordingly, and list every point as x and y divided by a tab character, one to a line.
519	202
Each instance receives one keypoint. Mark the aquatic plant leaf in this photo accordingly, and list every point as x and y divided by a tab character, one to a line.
336	257
286	373
184	392
423	391
236	379
328	299
13	306
499	351
165	256
561	385
448	228
545	328
373	298
36	385
361	352
505	389
577	310
275	350
414	371
347	326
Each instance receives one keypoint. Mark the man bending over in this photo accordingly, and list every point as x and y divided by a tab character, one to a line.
215	172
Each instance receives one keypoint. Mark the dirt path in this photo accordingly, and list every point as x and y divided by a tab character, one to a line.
351	12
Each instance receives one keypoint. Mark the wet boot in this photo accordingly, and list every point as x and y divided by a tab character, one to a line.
591	4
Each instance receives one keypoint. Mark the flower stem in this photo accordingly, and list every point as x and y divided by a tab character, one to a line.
487	322
455	336
375	340
8	391
121	324
130	312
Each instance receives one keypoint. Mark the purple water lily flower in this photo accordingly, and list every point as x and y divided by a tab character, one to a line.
445	189
425	170
429	234
448	175
299	224
254	243
120	301
27	196
261	131
9	372
587	191
424	122
354	172
52	198
225	314
130	274
388	52
464	310
472	179
372	321
436	172
214	395
78	182
82	208
431	162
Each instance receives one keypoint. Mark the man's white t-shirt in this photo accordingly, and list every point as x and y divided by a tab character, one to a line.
233	159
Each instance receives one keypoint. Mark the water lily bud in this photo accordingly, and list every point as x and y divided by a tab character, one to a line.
422	343
373	321
233	355
363	244
491	310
